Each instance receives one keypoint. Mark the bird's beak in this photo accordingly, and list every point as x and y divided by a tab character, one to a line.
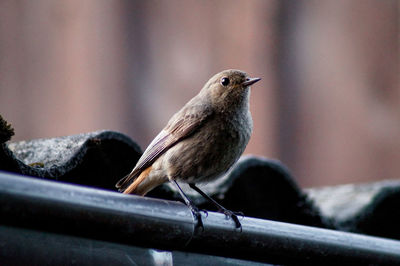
250	81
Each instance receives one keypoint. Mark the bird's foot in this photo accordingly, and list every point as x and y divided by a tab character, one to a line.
233	216
197	213
221	209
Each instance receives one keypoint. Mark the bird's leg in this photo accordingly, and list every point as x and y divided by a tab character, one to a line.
190	204
220	208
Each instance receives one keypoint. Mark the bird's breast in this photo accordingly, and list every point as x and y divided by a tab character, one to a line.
212	150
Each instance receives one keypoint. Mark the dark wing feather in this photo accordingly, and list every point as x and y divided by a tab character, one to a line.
180	126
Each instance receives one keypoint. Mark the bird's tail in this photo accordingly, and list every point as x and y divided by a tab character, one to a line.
140	186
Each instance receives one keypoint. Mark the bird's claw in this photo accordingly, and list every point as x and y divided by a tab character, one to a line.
234	217
196	212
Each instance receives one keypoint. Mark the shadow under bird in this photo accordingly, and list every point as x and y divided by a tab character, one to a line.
200	142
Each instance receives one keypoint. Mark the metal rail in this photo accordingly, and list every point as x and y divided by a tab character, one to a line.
131	220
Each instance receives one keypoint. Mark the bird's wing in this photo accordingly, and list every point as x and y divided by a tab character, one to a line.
181	125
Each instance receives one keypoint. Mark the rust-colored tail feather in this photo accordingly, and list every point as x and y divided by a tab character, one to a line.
135	187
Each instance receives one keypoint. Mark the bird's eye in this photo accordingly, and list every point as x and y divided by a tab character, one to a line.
225	81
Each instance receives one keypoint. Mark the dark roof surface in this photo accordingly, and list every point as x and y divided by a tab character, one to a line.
256	186
87	226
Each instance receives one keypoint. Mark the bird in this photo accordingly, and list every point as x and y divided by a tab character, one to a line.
200	143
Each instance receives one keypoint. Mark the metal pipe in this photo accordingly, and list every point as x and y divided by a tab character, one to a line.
110	216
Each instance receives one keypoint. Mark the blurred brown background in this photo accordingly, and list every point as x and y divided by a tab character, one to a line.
328	105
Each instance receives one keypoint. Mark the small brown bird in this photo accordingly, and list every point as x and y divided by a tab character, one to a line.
200	142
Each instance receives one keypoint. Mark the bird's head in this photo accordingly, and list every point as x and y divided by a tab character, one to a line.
229	87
